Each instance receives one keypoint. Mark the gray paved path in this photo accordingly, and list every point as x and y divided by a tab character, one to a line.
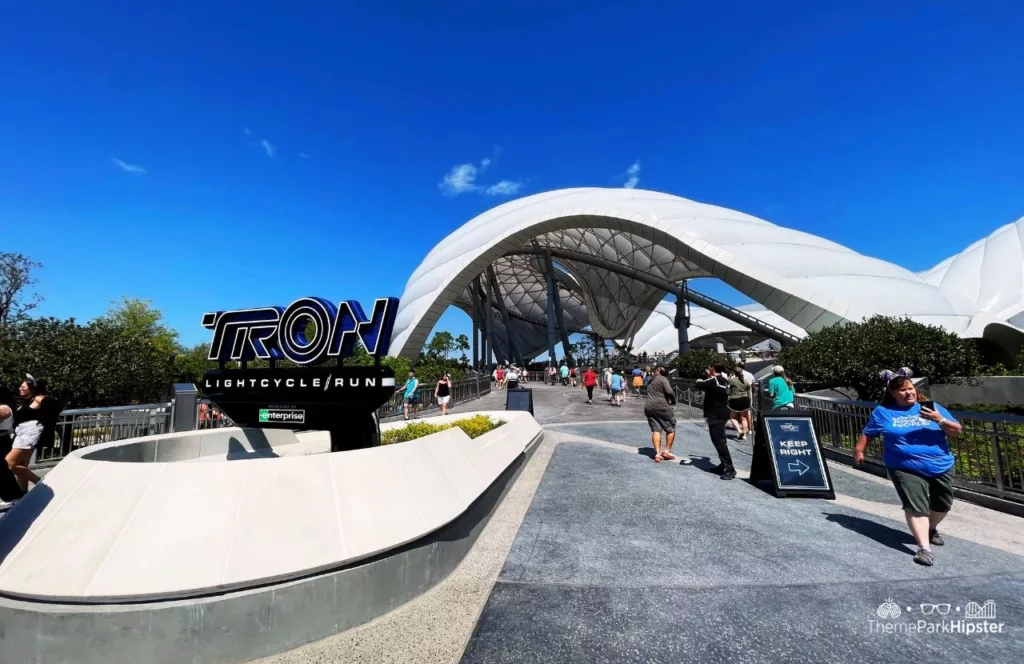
598	554
619	559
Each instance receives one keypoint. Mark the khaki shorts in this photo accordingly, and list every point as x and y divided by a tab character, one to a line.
661	420
921	495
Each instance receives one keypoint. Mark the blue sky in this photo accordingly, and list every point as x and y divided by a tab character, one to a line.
207	156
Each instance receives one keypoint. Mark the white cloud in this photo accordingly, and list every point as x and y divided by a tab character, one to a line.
633	175
459	180
504	188
128	168
463	178
268	147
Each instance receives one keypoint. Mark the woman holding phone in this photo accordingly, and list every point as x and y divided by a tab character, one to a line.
917	455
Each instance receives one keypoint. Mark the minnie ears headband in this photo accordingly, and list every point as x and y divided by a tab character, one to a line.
887	375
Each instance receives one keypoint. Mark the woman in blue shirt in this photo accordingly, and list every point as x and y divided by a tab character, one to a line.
917	455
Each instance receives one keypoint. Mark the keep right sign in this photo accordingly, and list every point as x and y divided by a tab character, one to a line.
787	452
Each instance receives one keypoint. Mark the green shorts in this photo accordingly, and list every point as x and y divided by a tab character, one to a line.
921	495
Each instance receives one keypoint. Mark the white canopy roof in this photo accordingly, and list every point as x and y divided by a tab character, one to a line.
805	280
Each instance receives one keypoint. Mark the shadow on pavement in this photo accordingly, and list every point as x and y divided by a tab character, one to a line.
704	463
17	521
890	537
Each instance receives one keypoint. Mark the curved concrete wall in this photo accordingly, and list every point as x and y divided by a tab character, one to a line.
129	521
248	624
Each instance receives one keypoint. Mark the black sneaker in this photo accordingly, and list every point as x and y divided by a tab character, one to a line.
729	474
924	557
935	538
719	469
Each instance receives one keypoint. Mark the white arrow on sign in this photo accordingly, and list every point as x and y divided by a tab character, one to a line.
798	467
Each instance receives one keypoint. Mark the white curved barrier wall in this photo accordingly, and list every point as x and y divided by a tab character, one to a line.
99	530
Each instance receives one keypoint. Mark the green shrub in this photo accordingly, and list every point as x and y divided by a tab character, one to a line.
474	427
694	363
852	355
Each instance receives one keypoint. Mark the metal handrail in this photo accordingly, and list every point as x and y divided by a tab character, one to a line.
83	427
989	451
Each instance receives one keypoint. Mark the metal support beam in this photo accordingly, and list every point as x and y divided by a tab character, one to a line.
682	322
513	344
477	322
550	277
489	322
711	304
554	296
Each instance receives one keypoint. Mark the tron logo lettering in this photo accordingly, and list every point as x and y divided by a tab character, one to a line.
281	333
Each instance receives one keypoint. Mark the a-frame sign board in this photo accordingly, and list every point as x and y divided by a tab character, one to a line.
787	453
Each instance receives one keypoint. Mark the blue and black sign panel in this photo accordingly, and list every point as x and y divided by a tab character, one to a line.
787	453
519	398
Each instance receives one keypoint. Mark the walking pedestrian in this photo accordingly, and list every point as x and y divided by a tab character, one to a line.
7	406
512	377
443	392
739	402
589	381
916	453
716	413
741	367
410	395
564	372
780	389
35	422
607	381
572	377
618	385
638	380
658	409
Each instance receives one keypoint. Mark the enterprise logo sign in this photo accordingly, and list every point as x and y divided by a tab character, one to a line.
281	333
281	416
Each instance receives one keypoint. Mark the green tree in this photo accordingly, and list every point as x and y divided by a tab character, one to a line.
852	355
693	365
16	277
442	344
190	364
137	318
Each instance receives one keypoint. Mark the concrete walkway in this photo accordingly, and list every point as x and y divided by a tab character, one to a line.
599	555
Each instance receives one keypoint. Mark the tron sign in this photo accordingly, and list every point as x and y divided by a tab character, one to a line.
274	333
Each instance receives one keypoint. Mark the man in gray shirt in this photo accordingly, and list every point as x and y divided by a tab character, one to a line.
660	414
